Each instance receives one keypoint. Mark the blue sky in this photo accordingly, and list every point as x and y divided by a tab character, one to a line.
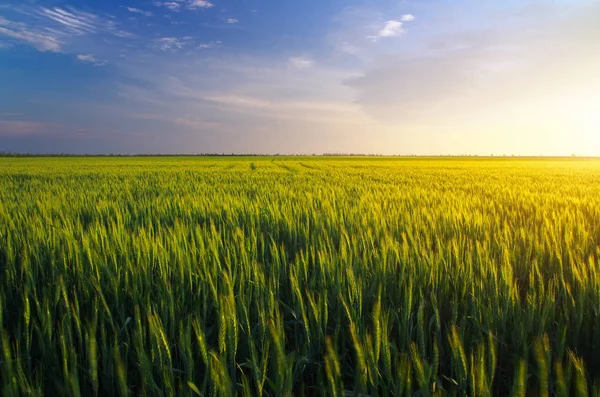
257	76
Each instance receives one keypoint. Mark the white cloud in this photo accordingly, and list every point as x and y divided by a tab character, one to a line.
178	4
40	41
86	58
71	21
211	44
355	29
170	43
138	11
173	44
231	20
58	29
504	78
301	63
391	28
91	59
171	5
75	21
200	4
124	35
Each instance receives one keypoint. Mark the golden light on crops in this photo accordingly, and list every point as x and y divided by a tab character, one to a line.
382	276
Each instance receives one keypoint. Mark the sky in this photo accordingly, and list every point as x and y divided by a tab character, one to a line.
408	77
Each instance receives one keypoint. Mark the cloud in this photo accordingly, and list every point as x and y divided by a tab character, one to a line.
41	41
231	20
86	58
354	30
91	59
173	43
347	48
290	109
169	43
76	21
489	75
232	89
185	120
392	28
138	11
195	123
171	5
178	4
70	21
211	44
59	29
200	4
301	63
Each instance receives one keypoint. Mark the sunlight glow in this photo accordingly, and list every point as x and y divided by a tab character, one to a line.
587	115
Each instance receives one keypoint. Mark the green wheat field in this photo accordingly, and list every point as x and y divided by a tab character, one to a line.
304	276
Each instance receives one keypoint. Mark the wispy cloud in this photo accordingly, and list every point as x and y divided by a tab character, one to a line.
91	59
393	28
200	4
210	44
347	48
171	5
231	20
138	11
185	121
319	109
53	29
86	58
508	75
75	21
173	43
20	32
176	5
237	89
355	29
301	63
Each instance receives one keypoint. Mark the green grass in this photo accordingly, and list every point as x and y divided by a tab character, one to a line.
299	276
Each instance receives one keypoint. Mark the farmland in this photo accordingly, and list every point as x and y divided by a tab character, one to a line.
299	276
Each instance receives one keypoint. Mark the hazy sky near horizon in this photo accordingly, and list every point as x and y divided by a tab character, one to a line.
258	76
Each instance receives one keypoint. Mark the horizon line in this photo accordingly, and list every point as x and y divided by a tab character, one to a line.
333	154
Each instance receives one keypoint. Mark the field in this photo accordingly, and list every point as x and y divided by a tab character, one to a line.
280	276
